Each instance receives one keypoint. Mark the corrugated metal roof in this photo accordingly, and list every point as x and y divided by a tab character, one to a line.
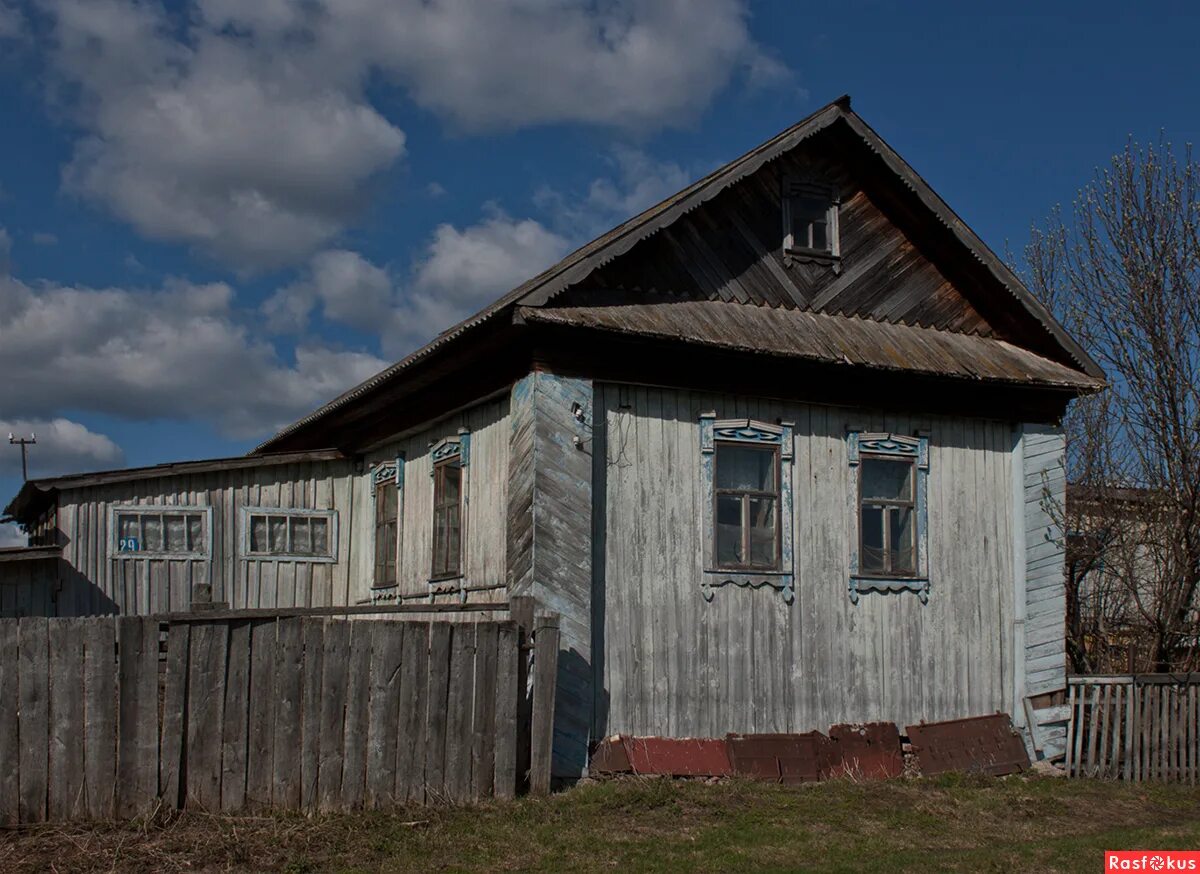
49	485
821	337
580	263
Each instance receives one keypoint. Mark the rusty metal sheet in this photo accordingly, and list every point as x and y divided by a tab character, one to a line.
784	758
609	757
678	757
871	750
982	744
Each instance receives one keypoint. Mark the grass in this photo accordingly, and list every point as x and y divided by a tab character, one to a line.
955	823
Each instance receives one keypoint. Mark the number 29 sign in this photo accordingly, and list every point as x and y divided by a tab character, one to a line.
128	544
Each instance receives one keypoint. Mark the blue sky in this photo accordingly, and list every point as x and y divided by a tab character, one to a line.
217	215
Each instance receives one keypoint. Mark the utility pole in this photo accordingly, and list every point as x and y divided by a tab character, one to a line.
22	442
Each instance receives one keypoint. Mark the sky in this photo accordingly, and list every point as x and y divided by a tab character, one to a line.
217	215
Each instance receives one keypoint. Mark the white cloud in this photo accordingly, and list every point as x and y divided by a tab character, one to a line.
465	269
62	446
250	148
11	535
350	289
180	352
12	22
243	129
640	181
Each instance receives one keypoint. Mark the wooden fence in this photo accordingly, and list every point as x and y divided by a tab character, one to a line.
117	716
1134	727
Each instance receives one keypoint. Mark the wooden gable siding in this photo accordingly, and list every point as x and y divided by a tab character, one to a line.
674	664
1045	483
484	562
731	249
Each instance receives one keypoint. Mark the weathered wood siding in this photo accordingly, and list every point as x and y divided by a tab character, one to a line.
676	665
484	542
27	587
550	535
93	582
1045	483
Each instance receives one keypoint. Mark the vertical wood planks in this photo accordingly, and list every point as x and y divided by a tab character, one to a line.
137	715
10	748
435	729
66	723
261	728
383	729
234	726
414	706
100	713
172	743
295	713
545	676
33	724
508	658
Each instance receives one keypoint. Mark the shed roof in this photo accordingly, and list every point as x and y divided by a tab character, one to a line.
577	266
37	493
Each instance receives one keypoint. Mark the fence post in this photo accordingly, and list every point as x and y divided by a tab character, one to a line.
521	610
545	679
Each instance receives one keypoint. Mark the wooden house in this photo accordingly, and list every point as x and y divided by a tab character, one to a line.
775	450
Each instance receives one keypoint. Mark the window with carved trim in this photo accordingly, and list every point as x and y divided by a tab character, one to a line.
810	219
388	481
747	506
447	519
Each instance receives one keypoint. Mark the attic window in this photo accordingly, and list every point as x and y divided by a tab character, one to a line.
810	219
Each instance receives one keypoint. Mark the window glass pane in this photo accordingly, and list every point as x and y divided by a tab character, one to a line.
129	535
196	533
729	530
386	501
886	480
381	552
744	467
450	476
152	533
454	540
820	239
176	533
277	534
300	535
440	541
871	559
762	532
320	536
900	536
258	533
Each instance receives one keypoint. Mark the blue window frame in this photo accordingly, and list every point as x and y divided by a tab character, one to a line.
746	468
889	495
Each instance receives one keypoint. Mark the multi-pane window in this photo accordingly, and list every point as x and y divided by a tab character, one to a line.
292	535
888	518
447	519
161	531
746	512
810	223
387	531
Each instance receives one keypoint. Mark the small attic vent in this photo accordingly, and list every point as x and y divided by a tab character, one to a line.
810	220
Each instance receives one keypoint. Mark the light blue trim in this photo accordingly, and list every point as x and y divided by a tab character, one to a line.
759	433
858	443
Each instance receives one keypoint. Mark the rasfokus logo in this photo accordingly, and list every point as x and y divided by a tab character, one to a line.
1151	860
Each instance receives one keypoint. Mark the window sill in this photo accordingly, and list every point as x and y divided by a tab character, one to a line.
781	581
450	578
299	559
818	256
384	587
860	583
160	556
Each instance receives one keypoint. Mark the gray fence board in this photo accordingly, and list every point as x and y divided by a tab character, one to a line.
294	713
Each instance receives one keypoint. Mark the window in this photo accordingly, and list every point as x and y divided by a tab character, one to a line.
887	521
746	470
810	219
747	508
890	479
291	535
388	481
150	532
447	519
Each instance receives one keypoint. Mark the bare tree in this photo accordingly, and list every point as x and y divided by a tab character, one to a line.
1123	272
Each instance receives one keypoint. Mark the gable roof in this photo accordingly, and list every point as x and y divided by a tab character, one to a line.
578	265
